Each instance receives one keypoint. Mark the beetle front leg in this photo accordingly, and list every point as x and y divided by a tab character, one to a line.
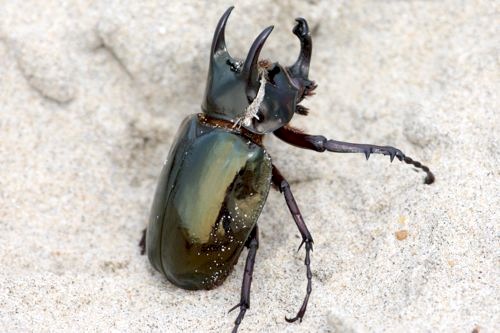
244	304
280	182
319	143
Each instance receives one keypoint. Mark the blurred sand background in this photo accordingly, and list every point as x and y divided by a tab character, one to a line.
92	93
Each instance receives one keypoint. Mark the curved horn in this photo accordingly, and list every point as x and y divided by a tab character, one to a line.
250	66
301	67
219	42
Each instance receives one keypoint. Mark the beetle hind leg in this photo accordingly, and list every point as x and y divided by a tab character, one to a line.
142	242
244	304
280	182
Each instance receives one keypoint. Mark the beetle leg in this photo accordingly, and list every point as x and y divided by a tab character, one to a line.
244	304
319	143
142	243
283	186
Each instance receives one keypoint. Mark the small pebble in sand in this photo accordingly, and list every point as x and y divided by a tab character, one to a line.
401	234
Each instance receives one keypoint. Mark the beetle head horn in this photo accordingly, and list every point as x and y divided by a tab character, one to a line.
219	41
301	67
250	67
232	84
299	71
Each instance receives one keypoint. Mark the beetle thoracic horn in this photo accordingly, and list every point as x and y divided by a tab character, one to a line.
250	67
301	67
219	41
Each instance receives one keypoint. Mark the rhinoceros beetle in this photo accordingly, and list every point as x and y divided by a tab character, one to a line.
215	182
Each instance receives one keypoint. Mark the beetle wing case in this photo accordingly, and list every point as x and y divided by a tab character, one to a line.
210	194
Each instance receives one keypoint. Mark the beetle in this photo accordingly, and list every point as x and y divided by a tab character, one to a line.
218	173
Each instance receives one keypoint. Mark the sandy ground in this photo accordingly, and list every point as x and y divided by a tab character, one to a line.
91	95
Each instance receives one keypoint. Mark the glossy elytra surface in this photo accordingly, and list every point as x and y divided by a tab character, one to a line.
210	193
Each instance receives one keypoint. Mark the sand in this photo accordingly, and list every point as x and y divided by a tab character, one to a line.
92	93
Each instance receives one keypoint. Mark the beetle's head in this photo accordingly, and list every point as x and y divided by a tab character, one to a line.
259	95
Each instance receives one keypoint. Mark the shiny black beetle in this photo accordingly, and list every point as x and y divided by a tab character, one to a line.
218	174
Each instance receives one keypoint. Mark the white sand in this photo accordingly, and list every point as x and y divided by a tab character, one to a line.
92	92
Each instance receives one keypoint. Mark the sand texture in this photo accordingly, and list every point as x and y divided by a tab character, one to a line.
91	96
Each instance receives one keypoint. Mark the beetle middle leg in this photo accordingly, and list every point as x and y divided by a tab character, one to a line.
319	143
244	304
280	182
